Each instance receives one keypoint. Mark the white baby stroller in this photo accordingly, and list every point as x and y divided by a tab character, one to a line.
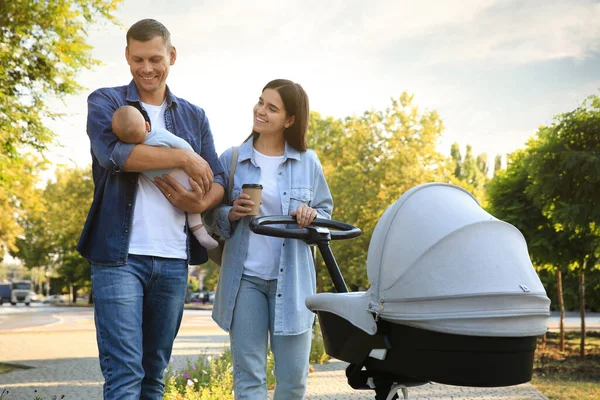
454	298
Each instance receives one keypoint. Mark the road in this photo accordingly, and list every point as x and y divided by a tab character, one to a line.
59	345
45	318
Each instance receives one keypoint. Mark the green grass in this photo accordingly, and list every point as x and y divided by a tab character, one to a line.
563	375
4	367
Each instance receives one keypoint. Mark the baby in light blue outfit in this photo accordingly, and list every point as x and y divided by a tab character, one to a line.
129	125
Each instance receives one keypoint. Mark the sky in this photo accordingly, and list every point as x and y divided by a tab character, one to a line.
494	70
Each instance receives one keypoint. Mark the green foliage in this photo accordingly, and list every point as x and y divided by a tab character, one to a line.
497	164
52	228
317	347
209	378
369	161
471	172
509	201
565	167
551	192
42	48
211	277
18	192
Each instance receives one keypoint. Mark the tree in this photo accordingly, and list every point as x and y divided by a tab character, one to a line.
508	201
565	170
43	47
369	162
497	164
51	232
456	156
21	195
471	172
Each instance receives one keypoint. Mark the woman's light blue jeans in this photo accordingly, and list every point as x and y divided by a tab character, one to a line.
252	326
137	310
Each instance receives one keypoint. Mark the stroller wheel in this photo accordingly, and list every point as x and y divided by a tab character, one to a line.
382	394
386	390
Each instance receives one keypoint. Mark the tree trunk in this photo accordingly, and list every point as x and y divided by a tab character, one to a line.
561	305
582	308
41	277
91	298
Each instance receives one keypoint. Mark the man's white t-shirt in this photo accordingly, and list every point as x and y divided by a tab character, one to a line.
264	252
158	228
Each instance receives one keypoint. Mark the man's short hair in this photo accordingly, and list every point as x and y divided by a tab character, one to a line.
148	29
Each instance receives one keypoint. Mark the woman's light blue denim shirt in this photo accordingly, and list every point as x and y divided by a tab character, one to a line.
300	181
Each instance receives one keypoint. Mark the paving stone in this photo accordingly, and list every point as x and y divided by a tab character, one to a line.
66	363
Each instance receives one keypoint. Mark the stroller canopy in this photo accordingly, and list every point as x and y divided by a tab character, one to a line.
438	261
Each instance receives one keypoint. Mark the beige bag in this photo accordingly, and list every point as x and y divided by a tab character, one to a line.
215	255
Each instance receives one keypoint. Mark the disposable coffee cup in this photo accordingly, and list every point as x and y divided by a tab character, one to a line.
253	190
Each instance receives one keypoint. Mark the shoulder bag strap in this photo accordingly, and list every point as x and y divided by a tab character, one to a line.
234	159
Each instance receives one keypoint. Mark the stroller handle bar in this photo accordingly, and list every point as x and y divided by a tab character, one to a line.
337	230
317	233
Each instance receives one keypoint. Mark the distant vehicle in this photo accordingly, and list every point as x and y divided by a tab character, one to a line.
21	292
202	297
196	297
55	299
34	297
5	289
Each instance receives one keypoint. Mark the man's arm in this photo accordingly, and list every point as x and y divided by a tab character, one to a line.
144	158
106	147
118	156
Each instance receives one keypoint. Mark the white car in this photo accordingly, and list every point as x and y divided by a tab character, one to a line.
55	299
34	297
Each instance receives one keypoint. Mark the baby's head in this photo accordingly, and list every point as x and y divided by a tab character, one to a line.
129	125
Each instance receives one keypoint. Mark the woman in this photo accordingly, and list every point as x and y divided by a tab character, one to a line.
264	280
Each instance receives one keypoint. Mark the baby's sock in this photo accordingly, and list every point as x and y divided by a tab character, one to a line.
200	232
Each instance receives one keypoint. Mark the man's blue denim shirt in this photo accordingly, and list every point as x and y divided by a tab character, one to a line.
106	233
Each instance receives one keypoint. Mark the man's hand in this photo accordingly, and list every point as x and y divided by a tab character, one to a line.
191	201
198	170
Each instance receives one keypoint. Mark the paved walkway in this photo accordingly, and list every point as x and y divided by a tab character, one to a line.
65	362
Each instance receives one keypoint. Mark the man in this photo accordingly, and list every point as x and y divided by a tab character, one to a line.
135	236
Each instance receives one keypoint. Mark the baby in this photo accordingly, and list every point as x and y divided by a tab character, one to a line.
129	125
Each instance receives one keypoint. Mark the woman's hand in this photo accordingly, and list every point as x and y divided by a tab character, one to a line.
241	207
304	215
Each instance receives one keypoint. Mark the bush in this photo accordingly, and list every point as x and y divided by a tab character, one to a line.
206	379
209	378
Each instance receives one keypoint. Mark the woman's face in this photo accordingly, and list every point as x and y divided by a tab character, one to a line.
269	114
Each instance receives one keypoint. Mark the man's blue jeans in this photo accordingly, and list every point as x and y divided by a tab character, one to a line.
252	326
138	309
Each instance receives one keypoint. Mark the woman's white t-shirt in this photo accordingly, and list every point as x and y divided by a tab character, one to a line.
264	252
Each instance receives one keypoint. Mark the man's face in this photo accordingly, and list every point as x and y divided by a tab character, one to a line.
149	63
